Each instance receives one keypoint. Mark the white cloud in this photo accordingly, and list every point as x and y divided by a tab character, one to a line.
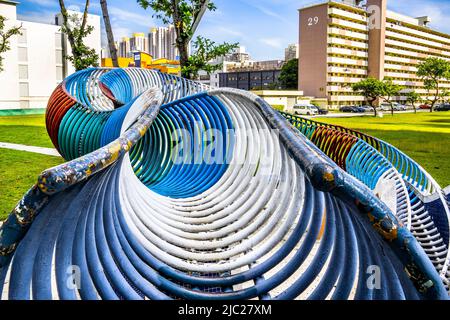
124	15
272	42
45	3
40	17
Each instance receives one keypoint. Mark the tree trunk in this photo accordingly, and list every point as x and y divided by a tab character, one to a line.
109	34
374	107
74	42
184	57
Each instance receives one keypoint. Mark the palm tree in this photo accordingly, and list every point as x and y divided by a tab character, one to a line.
109	34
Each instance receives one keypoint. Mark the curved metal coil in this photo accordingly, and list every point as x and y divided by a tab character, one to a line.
207	196
372	159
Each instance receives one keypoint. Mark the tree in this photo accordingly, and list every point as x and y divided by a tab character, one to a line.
185	15
109	34
445	94
77	29
371	89
5	36
389	90
432	71
289	75
206	51
413	97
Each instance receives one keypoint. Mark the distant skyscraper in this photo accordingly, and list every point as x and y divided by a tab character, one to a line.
162	43
291	52
139	42
124	47
238	55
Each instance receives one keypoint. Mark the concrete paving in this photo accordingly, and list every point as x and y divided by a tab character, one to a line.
21	147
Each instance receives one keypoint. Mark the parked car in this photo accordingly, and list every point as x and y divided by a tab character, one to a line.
399	107
367	108
425	107
352	109
306	110
321	110
443	107
385	107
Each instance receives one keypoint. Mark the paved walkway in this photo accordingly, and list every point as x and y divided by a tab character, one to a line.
21	147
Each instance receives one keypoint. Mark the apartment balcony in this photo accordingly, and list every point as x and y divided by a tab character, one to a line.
349	71
388	65
339	89
400	75
346	14
348	43
393	59
348	52
404	52
425	50
416	32
349	24
347	61
347	33
343	79
419	41
342	98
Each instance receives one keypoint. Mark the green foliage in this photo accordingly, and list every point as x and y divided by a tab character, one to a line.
5	36
82	56
289	75
413	97
390	90
185	15
181	13
432	71
371	89
206	51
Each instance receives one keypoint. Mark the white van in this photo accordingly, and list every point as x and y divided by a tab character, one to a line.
306	110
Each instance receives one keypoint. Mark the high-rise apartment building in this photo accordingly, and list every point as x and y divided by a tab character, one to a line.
139	42
125	47
342	42
291	52
162	43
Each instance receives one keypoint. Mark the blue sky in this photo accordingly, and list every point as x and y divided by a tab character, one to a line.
264	27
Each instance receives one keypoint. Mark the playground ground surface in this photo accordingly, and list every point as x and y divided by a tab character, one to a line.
423	136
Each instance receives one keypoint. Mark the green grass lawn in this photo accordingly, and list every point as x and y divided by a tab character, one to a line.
19	171
29	130
425	137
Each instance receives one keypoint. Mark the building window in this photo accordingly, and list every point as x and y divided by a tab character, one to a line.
23	54
23	37
59	74
24	89
59	56
23	72
58	40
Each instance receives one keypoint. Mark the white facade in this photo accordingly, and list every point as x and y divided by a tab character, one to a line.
162	43
139	42
35	65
